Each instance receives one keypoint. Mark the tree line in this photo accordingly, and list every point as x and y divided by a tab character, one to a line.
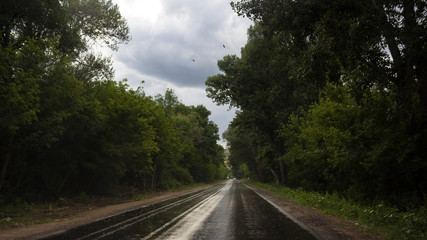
66	127
332	97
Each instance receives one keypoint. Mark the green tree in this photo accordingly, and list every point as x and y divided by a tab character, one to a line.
44	60
264	84
376	44
370	125
354	149
320	143
21	91
127	137
192	153
73	22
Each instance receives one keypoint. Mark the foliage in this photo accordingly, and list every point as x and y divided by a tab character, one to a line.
194	155
318	143
67	129
93	138
341	146
261	85
333	95
73	22
241	152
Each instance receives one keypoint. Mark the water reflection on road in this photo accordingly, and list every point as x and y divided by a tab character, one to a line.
226	211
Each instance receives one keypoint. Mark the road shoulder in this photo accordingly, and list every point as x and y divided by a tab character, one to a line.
82	218
323	226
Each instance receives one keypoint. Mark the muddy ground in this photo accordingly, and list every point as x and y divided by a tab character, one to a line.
325	227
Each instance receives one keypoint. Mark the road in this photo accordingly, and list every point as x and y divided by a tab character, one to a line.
226	211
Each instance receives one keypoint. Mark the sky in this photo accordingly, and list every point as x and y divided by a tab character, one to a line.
167	35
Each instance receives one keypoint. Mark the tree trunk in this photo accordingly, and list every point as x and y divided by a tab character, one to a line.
6	162
153	177
275	175
390	38
422	92
64	181
282	172
144	183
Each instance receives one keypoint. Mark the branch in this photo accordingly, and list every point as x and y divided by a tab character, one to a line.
390	37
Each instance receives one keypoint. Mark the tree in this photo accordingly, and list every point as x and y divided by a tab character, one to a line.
370	120
192	153
383	44
262	84
21	90
44	53
241	152
321	151
72	22
354	149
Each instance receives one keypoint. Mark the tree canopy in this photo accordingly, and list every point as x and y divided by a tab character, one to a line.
67	128
332	95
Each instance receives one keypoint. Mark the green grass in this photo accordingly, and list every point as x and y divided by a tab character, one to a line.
142	197
394	224
10	212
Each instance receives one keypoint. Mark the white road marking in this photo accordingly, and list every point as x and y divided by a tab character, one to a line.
187	223
131	221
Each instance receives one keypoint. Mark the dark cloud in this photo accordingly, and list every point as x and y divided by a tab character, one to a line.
171	62
185	30
162	48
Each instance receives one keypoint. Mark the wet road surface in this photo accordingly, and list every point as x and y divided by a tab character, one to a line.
226	211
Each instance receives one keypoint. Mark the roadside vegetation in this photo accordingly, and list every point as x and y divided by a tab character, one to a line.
389	221
69	132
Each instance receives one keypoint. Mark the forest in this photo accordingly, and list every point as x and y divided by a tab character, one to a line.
332	98
66	128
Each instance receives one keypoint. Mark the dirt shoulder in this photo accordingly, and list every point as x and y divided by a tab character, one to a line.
325	227
73	216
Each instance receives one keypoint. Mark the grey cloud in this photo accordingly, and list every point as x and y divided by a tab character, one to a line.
161	52
185	30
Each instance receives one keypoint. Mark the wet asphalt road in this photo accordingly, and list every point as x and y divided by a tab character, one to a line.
225	211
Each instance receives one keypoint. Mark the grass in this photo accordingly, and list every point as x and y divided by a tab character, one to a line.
19	214
394	224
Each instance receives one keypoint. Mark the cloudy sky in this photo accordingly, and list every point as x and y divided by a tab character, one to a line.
167	35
